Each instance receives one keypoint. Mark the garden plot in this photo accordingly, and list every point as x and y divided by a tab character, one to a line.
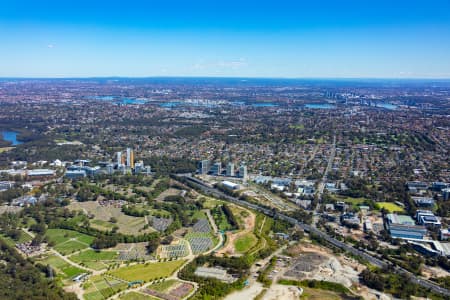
177	249
102	287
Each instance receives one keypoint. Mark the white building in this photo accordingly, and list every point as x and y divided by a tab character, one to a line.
230	170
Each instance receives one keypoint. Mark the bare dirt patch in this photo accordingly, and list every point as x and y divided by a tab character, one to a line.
314	262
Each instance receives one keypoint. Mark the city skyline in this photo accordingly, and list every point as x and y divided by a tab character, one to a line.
408	39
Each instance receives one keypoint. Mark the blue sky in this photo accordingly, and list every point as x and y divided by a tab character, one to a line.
381	39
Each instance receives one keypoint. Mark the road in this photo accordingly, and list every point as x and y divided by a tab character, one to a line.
310	229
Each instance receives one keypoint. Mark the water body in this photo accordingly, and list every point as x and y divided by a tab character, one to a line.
118	100
264	105
320	106
11	136
170	104
387	106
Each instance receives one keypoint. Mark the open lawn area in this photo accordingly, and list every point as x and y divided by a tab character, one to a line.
68	241
103	214
244	243
316	294
351	200
63	269
147	271
96	260
391	207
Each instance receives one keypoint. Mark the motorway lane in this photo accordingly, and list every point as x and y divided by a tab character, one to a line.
373	260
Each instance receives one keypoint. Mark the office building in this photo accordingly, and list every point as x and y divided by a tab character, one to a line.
428	219
130	158
230	170
216	169
403	227
446	194
75	174
243	172
119	159
204	166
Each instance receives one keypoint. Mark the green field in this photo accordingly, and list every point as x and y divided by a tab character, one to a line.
137	296
163	286
63	269
148	271
391	207
24	237
68	241
101	225
96	260
244	243
102	287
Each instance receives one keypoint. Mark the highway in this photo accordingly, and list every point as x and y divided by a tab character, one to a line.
307	228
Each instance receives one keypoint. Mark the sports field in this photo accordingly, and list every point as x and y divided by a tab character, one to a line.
391	207
68	241
147	271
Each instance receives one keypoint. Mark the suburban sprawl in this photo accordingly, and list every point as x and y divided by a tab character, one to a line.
219	188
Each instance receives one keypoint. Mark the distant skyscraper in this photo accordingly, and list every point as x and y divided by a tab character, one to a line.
243	172
230	169
217	168
130	158
119	158
204	166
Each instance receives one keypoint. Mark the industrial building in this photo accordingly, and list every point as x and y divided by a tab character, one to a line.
230	185
403	227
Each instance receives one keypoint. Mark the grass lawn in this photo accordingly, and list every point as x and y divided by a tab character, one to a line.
391	207
316	294
92	259
62	268
96	295
163	286
148	271
137	296
70	247
245	242
62	235
101	225
199	215
350	200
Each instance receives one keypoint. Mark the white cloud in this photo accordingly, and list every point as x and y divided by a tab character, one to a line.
50	46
